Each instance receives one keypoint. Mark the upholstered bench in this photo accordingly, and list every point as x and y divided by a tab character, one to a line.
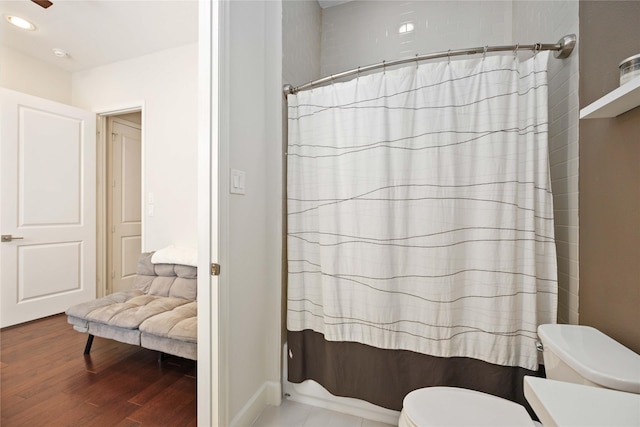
159	313
173	332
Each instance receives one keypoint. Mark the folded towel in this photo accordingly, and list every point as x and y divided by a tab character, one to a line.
176	255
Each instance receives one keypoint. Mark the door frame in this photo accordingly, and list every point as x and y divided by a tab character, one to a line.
101	183
213	162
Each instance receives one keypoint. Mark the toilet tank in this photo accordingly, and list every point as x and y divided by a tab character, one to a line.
584	355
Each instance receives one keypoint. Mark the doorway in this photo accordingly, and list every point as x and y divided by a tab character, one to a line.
124	199
120	200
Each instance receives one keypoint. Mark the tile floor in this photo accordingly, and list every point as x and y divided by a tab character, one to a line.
294	414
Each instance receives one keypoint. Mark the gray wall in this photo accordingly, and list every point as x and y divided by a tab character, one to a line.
609	177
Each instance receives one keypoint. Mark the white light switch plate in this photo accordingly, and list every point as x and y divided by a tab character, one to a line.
237	182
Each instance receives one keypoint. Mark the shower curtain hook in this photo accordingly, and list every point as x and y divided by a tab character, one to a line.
417	64
484	53
449	56
536	49
358	74
515	50
384	67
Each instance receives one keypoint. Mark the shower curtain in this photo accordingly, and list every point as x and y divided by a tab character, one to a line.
420	229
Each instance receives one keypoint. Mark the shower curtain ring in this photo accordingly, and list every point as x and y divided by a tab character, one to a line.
417	63
449	56
358	74
536	49
384	67
484	53
515	50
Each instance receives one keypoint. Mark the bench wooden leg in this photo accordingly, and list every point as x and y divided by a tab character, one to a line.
161	357
87	347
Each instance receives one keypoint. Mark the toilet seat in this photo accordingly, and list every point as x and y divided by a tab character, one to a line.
451	407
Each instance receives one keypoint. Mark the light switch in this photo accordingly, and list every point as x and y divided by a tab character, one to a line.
237	182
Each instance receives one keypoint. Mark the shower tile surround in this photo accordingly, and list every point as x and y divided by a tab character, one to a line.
548	21
365	32
302	22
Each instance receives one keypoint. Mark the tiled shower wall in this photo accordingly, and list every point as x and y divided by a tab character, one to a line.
301	23
361	33
366	32
548	21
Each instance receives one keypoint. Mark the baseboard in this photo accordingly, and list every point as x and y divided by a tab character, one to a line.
274	393
270	393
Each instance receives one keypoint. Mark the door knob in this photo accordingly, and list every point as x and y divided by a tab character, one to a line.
9	237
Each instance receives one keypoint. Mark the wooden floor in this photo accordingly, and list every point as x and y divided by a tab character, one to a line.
45	380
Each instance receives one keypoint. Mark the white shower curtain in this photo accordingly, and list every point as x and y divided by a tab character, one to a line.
420	210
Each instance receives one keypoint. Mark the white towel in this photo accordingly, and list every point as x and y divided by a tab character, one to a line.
176	255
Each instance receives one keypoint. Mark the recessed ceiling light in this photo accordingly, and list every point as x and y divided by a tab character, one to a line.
60	53
21	22
407	27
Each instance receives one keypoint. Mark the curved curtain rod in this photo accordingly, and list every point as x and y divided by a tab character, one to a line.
562	49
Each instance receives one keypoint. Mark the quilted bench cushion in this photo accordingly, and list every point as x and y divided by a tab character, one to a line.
180	323
167	280
133	312
79	312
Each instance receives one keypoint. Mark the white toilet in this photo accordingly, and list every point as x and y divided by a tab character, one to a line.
459	407
578	354
584	355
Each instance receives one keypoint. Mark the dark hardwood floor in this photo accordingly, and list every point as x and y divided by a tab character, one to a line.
45	380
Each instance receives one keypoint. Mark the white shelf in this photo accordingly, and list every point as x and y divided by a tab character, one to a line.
614	103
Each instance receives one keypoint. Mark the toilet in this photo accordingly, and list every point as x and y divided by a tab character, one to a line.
459	407
571	353
584	355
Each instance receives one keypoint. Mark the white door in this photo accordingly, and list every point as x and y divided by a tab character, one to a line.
47	210
124	204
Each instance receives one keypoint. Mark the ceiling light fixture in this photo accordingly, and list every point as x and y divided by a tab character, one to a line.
407	27
20	23
60	53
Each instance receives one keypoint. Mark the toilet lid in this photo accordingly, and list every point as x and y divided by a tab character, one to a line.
594	355
450	407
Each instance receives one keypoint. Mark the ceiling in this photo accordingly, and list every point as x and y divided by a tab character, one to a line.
328	3
98	32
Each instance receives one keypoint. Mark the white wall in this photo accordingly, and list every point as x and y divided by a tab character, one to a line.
252	125
547	22
275	194
25	74
166	83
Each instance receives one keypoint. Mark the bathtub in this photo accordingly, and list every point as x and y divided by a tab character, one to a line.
311	393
